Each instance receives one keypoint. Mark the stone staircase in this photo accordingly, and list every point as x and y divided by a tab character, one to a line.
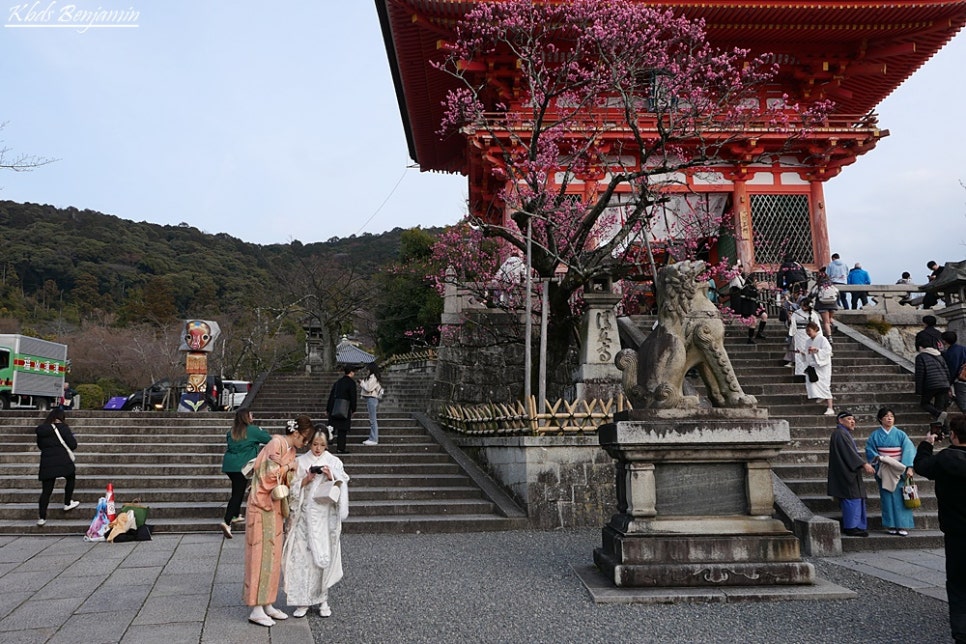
172	462
862	381
407	483
169	461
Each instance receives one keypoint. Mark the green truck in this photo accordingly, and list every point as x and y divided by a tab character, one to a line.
32	372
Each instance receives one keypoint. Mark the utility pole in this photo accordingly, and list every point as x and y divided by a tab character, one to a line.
528	322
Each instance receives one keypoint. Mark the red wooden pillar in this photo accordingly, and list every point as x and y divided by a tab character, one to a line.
819	224
744	235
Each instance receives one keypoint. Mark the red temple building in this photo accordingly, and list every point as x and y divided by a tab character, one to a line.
853	52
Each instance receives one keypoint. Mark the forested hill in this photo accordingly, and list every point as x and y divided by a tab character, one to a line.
79	261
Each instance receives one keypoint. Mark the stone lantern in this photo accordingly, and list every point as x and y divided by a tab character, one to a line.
951	287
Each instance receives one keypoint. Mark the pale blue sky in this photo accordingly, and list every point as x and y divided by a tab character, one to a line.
278	121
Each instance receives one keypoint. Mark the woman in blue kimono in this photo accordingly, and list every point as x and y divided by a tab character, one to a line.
890	442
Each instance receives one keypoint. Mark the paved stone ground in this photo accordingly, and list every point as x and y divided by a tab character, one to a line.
480	587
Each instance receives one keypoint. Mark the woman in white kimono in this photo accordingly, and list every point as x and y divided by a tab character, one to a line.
312	555
818	354
797	321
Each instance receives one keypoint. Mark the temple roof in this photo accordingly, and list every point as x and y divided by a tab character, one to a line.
855	52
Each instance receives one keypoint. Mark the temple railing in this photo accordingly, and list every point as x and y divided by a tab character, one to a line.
885	299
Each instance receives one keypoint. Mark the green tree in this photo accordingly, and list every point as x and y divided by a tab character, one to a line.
408	307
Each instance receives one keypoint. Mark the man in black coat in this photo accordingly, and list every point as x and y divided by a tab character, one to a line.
345	389
845	468
932	383
948	470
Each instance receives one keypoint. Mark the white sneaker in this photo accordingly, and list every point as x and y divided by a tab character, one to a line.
829	412
274	613
370	442
41	521
70	506
300	611
324	610
226	530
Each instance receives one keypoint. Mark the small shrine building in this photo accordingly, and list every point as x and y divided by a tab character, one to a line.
855	53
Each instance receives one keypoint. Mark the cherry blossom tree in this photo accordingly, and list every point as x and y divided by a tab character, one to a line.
590	115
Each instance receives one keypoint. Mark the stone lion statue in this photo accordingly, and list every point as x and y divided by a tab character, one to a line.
689	333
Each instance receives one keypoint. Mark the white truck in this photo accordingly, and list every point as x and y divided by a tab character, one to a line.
32	372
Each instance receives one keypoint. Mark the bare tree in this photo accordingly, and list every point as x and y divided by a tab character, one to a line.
328	293
18	162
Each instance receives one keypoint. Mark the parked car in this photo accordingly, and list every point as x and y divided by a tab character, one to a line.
150	398
233	393
165	395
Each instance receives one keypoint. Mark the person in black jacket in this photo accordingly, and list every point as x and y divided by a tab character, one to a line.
932	383
344	388
56	443
948	470
792	277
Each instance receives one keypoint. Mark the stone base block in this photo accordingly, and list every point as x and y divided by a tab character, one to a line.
700	548
699	575
702	560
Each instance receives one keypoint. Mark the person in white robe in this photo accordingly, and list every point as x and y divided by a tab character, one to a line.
797	321
818	354
312	555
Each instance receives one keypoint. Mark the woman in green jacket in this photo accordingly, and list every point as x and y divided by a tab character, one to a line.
244	442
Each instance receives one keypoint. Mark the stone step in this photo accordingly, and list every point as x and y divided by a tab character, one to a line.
879	540
447	507
387	494
432	523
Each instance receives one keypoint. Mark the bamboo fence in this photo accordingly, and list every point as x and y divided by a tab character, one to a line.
519	419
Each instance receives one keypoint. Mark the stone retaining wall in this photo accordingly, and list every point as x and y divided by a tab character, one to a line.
562	481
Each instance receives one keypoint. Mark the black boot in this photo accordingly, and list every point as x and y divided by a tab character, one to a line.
751	336
761	330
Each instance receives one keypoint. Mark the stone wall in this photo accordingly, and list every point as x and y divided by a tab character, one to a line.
478	362
561	481
481	360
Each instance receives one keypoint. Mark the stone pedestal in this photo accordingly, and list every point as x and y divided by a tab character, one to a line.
695	501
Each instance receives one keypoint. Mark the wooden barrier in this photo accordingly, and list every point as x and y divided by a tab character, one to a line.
517	419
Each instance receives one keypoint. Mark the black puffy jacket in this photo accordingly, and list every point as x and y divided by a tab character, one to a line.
54	459
931	372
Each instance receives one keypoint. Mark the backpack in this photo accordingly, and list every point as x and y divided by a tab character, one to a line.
795	274
828	294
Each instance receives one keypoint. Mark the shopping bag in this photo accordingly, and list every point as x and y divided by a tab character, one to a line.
910	494
140	511
100	523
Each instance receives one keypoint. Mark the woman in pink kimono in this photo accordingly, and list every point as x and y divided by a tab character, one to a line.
264	520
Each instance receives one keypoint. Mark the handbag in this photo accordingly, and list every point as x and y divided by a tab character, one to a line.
140	511
328	492
340	409
962	373
61	439
811	374
248	469
910	494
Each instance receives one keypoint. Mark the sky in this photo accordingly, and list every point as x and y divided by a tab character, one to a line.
273	122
